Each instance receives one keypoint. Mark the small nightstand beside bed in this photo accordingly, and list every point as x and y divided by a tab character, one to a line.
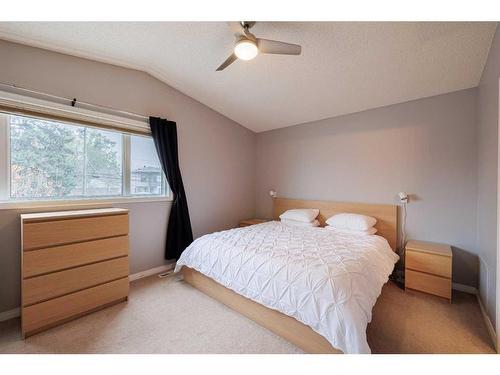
428	268
314	287
248	222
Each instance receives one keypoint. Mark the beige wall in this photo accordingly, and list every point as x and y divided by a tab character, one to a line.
211	148
425	147
487	110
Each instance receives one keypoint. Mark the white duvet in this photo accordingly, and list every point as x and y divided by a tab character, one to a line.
326	280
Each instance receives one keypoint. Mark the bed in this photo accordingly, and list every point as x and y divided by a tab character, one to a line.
311	286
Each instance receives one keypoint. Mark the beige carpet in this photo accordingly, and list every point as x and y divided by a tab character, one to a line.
169	316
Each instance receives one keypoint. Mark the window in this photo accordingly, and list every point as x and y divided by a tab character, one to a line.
145	169
47	160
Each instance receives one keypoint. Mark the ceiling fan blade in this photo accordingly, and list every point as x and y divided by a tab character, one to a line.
228	62
278	48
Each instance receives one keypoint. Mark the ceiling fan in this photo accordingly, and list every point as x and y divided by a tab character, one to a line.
247	46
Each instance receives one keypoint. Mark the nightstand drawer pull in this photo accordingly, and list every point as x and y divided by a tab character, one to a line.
429	263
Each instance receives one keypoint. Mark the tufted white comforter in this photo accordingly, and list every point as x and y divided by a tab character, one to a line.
326	280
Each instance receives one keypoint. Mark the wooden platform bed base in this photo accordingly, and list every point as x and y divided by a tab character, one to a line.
283	325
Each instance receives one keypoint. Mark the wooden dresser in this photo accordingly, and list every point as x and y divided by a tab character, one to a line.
72	263
428	268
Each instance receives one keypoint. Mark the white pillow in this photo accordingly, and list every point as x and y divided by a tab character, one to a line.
367	232
297	223
351	221
306	215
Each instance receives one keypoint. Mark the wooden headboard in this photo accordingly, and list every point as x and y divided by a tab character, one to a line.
386	214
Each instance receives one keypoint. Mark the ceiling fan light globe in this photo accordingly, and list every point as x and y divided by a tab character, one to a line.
246	49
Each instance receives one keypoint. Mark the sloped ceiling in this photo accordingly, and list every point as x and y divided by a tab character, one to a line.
345	67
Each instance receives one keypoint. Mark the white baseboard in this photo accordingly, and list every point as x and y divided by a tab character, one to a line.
487	321
486	318
10	314
14	313
152	271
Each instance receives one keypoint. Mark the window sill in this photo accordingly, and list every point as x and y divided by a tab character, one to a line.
76	203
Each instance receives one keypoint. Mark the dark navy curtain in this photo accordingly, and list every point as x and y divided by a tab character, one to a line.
179	232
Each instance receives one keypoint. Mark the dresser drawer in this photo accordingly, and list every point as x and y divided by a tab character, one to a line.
42	234
430	263
42	288
59	258
424	282
46	314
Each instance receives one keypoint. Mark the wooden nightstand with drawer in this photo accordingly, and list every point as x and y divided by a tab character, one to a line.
428	268
248	222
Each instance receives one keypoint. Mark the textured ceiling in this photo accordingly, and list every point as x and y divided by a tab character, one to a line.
345	67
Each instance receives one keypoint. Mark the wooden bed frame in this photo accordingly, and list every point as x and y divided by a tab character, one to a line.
283	325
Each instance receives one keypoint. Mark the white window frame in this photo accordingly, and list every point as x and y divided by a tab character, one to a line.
43	107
